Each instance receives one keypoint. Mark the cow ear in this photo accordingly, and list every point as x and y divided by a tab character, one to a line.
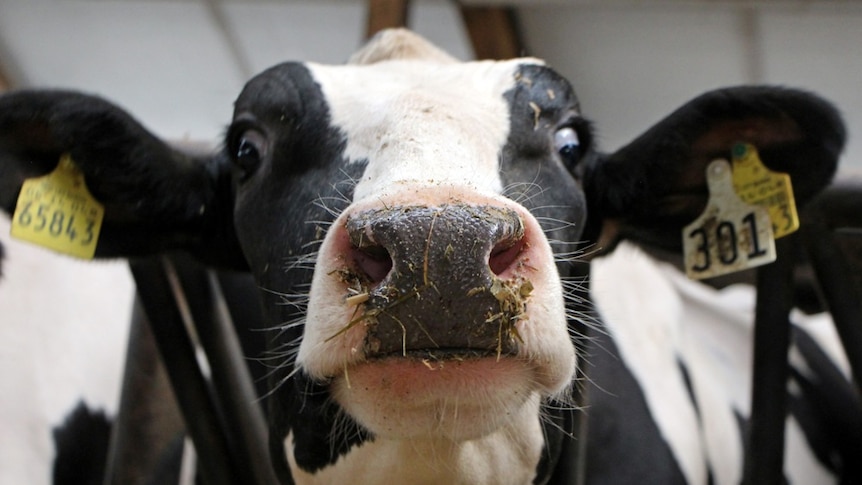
651	188
156	197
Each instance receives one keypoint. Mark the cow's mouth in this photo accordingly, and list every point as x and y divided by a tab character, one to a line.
427	324
437	355
428	328
455	393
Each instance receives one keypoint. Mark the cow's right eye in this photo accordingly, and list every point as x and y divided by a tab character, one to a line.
250	150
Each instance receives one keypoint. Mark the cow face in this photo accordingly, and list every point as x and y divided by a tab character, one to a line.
422	192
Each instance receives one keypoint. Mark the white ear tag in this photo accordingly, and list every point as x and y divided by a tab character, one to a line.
729	235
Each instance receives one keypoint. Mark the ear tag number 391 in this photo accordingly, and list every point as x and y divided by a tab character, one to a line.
56	211
729	235
756	184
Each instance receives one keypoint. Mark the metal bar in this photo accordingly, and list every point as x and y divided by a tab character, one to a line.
241	415
386	14
220	18
163	303
840	291
148	423
581	428
764	453
581	392
571	467
752	36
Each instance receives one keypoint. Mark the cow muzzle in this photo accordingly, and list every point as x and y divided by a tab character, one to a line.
441	282
448	296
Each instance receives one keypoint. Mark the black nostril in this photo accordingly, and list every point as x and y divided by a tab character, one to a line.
467	244
374	261
504	255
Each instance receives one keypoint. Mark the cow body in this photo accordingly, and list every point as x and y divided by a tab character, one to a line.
686	349
412	223
63	349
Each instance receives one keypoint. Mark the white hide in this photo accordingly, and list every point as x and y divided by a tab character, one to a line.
460	108
506	457
386	92
657	316
63	336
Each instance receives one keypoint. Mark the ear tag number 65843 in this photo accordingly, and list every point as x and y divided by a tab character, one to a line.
56	211
729	235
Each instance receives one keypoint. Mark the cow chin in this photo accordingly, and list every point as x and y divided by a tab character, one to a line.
456	399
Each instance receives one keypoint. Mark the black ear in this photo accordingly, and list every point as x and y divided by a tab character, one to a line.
156	197
650	189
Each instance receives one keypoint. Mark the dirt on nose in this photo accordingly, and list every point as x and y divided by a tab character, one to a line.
442	297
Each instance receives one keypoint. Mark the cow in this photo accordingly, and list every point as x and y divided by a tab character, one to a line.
75	365
418	228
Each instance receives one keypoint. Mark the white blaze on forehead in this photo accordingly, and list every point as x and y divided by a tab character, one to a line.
418	121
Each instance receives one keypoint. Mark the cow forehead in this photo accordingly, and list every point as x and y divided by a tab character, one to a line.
421	121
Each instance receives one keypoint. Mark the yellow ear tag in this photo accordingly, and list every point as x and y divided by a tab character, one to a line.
56	211
756	184
729	235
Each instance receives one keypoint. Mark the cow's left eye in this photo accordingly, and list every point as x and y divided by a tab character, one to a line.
568	145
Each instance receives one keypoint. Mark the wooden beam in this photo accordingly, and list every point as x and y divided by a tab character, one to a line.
10	74
386	14
493	32
5	85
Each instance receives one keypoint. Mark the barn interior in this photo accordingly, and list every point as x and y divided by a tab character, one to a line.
179	64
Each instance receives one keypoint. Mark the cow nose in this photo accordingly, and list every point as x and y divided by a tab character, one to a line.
435	240
437	275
